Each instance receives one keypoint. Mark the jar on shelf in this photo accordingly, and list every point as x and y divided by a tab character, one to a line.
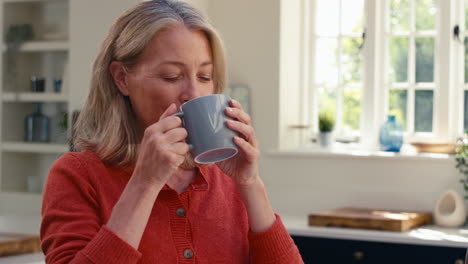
37	126
391	135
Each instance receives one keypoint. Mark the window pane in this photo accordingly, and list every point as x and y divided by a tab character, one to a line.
351	108
466	60
351	60
425	14
328	18
466	113
326	70
352	16
399	60
399	15
466	13
398	99
327	100
424	60
423	111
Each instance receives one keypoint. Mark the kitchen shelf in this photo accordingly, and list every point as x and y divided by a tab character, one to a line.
31	1
41	46
26	147
34	97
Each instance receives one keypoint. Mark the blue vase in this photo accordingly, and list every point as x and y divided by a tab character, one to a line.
36	127
391	135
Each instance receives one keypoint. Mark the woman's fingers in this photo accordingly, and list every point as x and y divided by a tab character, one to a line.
172	109
180	148
164	125
250	151
176	135
239	114
247	131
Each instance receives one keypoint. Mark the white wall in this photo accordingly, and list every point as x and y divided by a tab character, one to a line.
298	185
90	21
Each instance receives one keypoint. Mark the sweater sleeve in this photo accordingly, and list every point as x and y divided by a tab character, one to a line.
71	229
274	246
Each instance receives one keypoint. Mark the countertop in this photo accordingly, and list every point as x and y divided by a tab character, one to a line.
426	235
429	235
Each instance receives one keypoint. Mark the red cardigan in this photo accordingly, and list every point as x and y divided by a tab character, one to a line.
205	224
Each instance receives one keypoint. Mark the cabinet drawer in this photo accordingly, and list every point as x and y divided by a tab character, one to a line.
330	251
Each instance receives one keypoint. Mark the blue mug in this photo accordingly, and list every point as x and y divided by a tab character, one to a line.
209	138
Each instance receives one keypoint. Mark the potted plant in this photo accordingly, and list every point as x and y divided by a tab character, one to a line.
461	160
326	125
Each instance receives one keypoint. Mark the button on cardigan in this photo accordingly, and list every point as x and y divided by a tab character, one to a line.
205	224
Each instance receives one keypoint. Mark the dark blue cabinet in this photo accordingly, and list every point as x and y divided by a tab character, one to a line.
330	251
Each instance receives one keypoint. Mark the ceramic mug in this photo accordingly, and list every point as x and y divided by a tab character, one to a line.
209	138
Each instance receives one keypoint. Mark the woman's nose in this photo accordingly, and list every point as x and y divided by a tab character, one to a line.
190	91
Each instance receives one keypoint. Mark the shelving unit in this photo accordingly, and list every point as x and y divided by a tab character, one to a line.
44	55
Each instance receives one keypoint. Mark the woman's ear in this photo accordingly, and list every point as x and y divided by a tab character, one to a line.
120	76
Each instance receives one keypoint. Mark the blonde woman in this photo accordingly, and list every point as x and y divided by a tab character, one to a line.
133	194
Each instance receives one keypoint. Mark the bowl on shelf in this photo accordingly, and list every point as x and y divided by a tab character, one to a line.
445	148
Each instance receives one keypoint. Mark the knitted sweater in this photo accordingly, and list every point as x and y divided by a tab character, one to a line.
205	224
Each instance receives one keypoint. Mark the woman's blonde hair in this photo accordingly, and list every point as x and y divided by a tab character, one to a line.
106	125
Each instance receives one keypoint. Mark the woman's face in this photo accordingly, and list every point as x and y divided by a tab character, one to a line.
176	66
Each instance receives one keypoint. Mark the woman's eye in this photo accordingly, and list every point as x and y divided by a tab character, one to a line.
171	78
205	78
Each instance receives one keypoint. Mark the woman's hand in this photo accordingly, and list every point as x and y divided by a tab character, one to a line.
242	168
162	148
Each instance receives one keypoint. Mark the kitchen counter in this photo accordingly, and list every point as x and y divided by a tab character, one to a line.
429	235
28	225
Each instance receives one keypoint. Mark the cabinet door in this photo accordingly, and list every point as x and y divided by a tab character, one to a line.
331	251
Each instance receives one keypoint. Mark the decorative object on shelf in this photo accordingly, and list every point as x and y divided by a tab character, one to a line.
34	184
37	127
450	210
57	85
16	35
37	84
326	126
391	135
241	93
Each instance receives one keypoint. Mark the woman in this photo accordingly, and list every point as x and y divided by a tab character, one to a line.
134	195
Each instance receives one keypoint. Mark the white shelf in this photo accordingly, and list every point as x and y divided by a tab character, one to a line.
46	45
51	148
34	97
30	1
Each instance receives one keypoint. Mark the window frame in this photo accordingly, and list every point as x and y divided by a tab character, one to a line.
447	122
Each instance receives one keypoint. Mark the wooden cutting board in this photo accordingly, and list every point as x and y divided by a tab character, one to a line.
370	219
13	244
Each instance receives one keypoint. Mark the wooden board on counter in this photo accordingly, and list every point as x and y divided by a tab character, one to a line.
388	220
14	244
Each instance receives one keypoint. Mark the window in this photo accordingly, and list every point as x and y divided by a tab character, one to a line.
338	61
411	80
366	59
464	87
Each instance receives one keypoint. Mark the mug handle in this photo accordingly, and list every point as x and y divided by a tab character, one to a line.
181	115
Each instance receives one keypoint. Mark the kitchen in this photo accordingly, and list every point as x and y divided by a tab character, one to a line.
299	180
